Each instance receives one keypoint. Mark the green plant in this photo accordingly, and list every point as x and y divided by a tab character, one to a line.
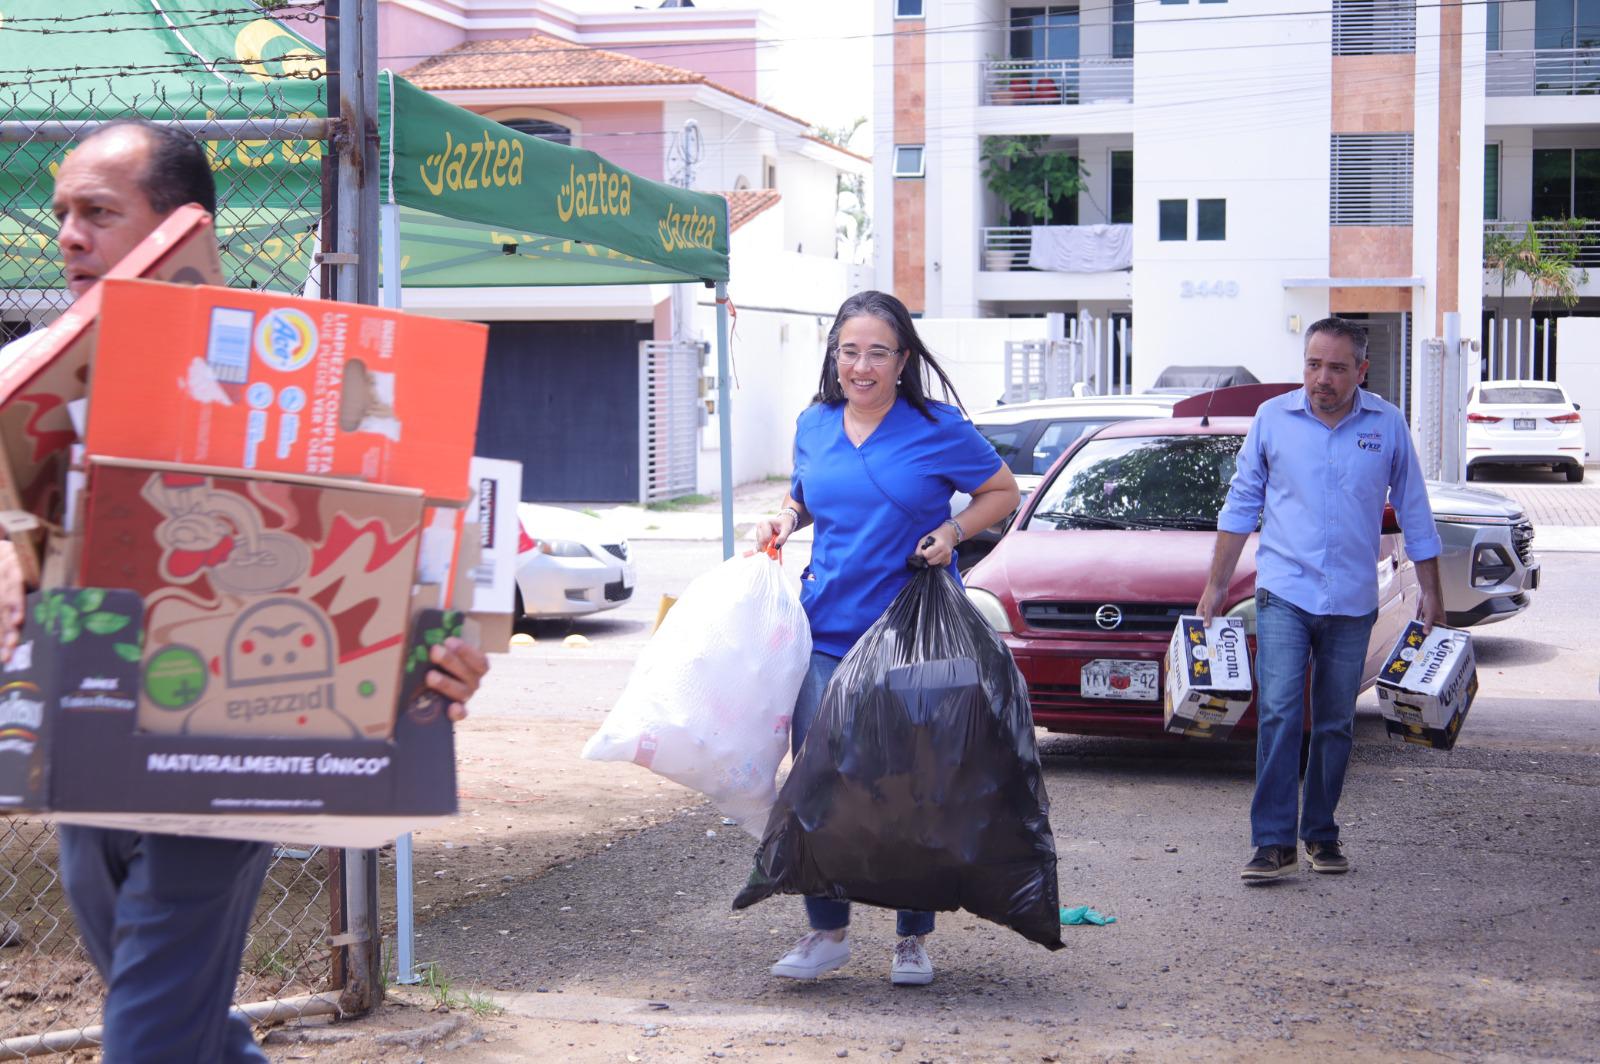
1549	260
681	502
444	995
1028	177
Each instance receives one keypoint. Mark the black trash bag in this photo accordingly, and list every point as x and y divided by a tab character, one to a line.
919	784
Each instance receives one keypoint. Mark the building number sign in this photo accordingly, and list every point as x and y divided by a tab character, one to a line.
1209	289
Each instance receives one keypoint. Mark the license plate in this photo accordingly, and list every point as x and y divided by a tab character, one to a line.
1134	681
627	577
1524	424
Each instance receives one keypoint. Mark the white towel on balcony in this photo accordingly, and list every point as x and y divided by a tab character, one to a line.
1081	248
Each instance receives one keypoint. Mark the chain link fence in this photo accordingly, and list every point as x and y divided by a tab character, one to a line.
259	119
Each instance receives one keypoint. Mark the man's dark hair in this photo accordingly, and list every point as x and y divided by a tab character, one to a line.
1345	328
178	171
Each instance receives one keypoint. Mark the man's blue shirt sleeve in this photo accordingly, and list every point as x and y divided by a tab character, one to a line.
1408	493
1247	492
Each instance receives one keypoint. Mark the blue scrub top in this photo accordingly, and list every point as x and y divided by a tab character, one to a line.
872	505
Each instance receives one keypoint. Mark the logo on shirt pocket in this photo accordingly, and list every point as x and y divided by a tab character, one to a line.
1370	441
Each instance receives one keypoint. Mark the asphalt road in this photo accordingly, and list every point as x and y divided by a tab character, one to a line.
1468	928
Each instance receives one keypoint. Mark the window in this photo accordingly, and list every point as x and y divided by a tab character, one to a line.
1566	24
909	161
1211	219
535	127
1213	1
1121	187
1174	1
1491	15
1524	396
1174	219
907	8
1374	27
1372	176
1566	182
1057	437
769	172
1491	181
1122	29
1044	32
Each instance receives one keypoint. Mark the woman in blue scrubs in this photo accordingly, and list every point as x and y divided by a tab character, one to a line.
875	465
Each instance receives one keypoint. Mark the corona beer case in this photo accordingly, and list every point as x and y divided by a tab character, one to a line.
1208	685
1427	686
71	745
275	384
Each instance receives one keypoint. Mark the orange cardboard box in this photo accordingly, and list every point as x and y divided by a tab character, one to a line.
274	606
49	368
276	384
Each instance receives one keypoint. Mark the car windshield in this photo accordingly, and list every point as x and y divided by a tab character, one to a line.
1523	395
1141	482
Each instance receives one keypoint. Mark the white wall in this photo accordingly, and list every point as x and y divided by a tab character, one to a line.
1578	341
1236	109
973	353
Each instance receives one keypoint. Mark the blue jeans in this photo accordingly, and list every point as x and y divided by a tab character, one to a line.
1334	647
164	918
829	914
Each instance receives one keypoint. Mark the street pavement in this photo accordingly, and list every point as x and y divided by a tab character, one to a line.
1468	929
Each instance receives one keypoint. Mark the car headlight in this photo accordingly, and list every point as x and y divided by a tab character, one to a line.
1246	612
989	608
564	548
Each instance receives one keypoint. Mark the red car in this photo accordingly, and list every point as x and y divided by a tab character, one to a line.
1088	584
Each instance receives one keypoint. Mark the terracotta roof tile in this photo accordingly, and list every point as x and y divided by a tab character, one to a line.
746	203
539	61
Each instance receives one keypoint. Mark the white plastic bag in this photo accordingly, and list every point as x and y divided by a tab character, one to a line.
709	700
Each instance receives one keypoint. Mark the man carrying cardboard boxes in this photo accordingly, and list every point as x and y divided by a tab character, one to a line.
1315	470
164	917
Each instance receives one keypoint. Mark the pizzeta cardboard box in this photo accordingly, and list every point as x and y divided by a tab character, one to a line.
1208	684
275	384
1428	685
273	607
48	370
72	746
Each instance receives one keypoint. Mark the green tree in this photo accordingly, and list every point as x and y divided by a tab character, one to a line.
1029	177
854	228
1549	260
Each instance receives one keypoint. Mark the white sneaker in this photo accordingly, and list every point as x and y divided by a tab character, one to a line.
911	965
815	955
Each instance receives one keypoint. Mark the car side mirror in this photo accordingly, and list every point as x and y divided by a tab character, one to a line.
1577	406
1391	521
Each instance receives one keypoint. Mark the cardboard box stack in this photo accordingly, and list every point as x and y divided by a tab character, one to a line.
1427	686
1208	684
229	640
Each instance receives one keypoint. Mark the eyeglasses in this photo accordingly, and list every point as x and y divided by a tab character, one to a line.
876	357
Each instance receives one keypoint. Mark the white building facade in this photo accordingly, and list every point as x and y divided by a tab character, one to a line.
1276	160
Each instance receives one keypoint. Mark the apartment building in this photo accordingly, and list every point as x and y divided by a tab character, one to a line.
1244	167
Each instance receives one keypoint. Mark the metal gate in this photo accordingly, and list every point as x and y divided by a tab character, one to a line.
1095	358
670	415
1519	349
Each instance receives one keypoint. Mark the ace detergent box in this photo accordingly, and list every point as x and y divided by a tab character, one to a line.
1208	684
271	384
1427	686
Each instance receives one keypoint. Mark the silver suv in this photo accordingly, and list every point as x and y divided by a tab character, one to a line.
1487	565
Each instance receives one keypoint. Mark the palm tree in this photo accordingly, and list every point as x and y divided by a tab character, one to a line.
1548	260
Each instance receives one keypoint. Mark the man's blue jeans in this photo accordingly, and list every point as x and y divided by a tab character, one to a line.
1334	648
164	918
828	914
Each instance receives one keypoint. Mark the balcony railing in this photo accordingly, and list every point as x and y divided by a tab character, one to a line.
1587	237
1544	72
1006	247
1054	82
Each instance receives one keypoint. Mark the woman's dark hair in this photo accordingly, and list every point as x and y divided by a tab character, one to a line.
178	171
913	378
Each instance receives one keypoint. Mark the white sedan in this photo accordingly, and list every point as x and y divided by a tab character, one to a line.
1524	423
569	563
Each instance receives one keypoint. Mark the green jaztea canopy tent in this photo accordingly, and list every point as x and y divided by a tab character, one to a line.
474	203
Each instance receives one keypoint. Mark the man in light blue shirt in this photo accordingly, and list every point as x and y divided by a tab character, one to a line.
1315	471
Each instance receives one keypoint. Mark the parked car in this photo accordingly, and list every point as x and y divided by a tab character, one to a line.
1487	565
569	563
1113	547
1524	423
1031	436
